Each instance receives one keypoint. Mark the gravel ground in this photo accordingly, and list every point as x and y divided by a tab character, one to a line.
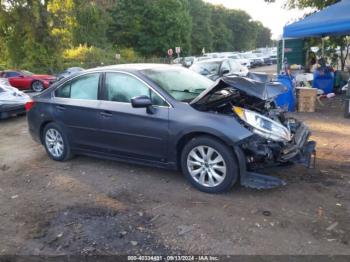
93	206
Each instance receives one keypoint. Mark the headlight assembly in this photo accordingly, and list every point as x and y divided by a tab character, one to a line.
263	125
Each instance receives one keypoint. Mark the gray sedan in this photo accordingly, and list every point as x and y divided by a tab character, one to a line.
216	133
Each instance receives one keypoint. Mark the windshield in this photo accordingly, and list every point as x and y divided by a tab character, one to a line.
26	73
234	56
181	84
248	56
208	68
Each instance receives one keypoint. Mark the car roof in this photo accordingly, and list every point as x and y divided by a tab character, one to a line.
9	70
75	67
132	67
213	60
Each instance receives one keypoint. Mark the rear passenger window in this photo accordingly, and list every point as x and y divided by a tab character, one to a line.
84	87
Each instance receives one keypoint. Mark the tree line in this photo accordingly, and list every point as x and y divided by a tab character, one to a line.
52	34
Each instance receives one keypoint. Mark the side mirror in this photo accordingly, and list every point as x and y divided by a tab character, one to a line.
225	71
21	76
143	102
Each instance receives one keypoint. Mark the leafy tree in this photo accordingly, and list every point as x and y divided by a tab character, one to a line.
62	19
151	26
244	30
46	35
222	34
126	23
263	37
202	34
91	23
26	31
318	4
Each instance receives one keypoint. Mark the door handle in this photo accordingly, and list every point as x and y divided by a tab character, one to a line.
106	114
61	108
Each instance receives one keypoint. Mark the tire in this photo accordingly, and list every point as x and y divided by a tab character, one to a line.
209	175
37	86
56	143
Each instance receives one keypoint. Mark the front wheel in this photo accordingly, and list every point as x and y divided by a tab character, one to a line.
37	86
209	165
56	143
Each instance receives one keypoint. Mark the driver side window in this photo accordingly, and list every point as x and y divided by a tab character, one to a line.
122	88
12	74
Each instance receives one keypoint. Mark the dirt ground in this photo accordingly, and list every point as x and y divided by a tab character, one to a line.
93	206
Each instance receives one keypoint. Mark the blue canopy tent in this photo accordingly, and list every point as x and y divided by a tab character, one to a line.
333	20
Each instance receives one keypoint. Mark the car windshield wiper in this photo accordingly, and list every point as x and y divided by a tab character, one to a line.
188	91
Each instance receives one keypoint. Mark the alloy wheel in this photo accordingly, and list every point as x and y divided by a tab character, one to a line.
54	142
206	166
37	86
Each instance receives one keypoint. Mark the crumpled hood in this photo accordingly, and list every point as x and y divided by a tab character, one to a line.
262	90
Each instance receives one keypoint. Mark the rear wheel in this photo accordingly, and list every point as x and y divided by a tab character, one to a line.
56	143
37	86
209	165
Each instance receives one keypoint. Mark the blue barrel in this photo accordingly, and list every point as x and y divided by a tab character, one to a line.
323	80
286	100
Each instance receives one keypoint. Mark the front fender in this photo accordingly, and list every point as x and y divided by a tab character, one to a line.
188	124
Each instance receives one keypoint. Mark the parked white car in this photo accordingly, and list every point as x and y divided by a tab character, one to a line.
12	101
212	55
237	57
219	67
254	59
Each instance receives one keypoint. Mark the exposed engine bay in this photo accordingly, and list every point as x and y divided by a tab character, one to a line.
277	137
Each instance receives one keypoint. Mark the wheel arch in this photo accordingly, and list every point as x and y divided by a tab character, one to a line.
188	137
41	129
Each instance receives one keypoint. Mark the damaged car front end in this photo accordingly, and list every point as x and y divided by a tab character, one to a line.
277	138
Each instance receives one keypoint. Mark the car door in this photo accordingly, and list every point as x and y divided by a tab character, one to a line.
76	108
132	132
16	79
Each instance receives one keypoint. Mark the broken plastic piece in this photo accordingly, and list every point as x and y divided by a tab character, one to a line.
308	158
258	181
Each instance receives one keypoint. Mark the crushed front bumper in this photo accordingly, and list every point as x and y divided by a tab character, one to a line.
300	150
258	153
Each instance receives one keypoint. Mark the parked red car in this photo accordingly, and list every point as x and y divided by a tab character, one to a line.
25	80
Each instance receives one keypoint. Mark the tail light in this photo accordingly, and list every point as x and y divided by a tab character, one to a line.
29	105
